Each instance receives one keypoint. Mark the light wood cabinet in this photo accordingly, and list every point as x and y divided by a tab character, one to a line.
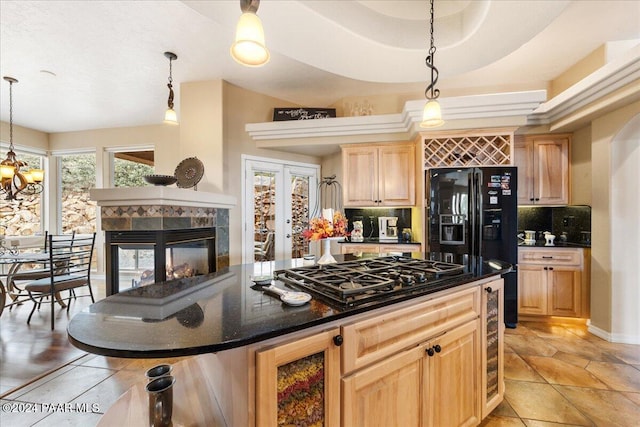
378	175
354	248
553	282
434	384
304	373
543	169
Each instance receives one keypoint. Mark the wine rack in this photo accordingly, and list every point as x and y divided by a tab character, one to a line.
468	150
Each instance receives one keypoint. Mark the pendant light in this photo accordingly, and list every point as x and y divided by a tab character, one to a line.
431	115
14	180
249	48
170	116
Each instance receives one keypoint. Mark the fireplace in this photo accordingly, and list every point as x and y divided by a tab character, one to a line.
156	234
138	258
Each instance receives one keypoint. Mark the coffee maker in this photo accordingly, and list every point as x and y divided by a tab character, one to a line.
388	228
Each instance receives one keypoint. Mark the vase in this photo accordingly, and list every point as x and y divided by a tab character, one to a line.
326	257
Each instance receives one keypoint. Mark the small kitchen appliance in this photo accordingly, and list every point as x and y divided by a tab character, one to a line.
388	228
529	237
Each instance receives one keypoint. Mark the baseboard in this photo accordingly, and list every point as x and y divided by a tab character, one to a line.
613	337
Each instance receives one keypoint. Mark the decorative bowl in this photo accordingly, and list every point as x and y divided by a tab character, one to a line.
160	179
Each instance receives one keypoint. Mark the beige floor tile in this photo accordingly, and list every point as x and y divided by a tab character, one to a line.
530	344
542	402
515	368
556	371
628	353
573	359
107	362
617	376
504	410
583	348
17	414
604	407
634	397
537	423
550	330
498	421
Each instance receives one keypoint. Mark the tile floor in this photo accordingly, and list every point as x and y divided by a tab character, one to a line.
561	375
556	375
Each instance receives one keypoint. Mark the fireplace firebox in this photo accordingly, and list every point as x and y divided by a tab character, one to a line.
139	257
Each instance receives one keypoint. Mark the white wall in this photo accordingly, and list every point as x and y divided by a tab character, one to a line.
625	233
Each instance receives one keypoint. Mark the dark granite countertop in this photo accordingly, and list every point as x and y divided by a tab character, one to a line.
220	311
375	240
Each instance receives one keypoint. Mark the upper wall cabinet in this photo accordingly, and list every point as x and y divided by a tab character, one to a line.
543	169
379	175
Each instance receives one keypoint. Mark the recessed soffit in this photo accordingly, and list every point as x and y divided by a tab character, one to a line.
341	36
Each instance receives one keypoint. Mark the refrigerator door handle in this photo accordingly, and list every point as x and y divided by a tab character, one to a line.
477	191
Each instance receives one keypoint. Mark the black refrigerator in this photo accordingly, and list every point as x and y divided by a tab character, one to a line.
475	211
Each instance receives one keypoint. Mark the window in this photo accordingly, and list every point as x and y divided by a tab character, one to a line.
129	168
77	176
23	217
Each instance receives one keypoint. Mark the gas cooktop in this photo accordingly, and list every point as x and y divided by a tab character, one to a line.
352	283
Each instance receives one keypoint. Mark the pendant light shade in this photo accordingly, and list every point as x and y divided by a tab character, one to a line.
431	115
170	116
249	48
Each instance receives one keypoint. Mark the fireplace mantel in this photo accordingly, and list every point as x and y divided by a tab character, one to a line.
161	196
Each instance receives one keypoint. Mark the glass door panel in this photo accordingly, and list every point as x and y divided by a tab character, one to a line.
278	197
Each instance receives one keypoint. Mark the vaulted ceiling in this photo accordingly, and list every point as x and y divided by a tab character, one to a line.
100	64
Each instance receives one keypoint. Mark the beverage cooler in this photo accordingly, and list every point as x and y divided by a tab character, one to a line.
475	211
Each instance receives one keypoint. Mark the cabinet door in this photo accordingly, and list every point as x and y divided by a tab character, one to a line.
396	176
492	337
551	171
360	176
523	160
298	383
388	393
564	287
532	289
454	378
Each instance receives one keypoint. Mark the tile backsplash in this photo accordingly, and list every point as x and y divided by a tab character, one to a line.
369	218
572	220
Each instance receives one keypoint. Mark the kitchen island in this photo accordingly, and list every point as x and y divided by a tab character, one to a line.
441	348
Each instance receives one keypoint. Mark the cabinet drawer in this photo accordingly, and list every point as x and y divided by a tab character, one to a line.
353	248
400	247
372	339
550	256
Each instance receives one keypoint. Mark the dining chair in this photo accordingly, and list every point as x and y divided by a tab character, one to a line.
39	272
69	268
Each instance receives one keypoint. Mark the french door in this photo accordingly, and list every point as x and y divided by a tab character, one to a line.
278	198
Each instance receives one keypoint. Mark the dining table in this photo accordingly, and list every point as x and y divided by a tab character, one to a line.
13	261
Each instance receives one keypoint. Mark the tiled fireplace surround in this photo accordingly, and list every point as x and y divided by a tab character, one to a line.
155	217
162	208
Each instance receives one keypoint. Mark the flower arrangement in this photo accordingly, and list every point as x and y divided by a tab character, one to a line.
322	228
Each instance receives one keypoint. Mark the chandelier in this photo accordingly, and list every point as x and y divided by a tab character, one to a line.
431	115
14	180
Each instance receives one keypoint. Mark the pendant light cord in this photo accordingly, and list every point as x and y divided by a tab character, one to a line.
431	92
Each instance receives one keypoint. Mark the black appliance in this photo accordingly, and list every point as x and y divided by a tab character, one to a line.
357	282
475	211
